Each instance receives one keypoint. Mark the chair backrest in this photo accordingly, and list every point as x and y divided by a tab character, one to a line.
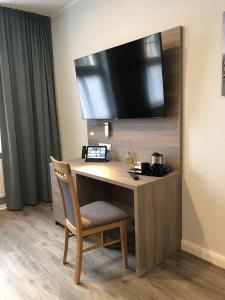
69	195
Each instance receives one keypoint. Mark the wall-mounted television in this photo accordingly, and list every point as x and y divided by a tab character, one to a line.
123	82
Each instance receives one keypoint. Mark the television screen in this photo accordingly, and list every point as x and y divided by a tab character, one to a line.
123	82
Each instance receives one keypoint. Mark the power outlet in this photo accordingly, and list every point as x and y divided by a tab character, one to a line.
109	146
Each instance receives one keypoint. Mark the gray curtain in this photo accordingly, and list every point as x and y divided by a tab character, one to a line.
28	119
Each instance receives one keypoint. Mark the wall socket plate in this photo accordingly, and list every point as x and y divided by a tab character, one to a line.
109	146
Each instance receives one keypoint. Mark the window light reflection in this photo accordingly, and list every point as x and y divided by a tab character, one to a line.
95	170
154	79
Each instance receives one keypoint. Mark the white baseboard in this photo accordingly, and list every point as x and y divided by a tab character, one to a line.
210	256
3	206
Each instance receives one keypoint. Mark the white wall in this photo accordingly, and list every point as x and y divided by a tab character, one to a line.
93	25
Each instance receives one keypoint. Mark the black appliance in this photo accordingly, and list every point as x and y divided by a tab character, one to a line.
123	82
157	158
156	169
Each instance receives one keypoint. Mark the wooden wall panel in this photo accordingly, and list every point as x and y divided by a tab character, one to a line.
149	135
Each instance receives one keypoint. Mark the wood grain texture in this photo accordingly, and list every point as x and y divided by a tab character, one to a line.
31	251
94	181
152	203
150	135
56	198
64	175
157	223
113	172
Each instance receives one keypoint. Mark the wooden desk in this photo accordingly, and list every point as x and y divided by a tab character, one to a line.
154	203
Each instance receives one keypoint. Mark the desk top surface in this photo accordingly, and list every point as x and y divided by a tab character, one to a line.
114	172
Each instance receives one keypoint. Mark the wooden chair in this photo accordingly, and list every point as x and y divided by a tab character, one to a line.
87	220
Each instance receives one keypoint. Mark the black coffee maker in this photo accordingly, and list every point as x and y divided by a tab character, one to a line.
155	168
157	159
157	165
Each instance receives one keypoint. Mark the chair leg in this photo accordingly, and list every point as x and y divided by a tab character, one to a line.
123	236
78	264
66	245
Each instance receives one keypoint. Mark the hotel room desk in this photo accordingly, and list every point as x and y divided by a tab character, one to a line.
153	202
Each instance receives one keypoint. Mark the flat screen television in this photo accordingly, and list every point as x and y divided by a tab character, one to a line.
123	82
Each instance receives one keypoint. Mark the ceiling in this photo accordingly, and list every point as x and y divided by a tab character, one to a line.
43	7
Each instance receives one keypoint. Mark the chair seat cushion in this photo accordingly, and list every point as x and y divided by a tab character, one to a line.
100	213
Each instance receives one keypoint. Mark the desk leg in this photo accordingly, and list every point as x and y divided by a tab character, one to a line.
140	236
157	211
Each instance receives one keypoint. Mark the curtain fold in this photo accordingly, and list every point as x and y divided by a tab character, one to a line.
28	118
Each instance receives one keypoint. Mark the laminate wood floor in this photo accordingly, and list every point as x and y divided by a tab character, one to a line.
31	250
